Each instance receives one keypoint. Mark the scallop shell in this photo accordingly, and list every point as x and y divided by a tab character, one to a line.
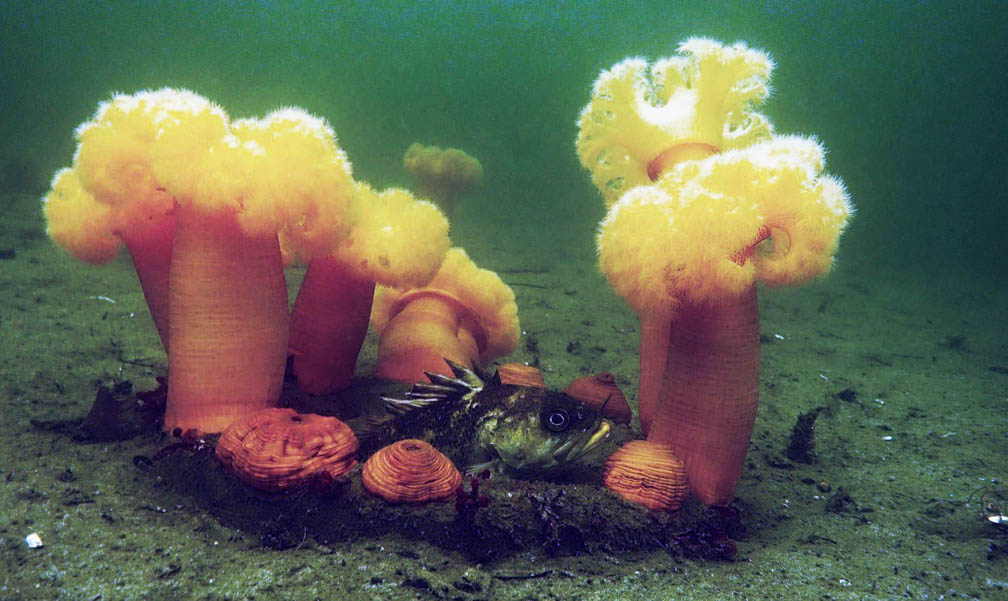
410	471
648	474
594	390
279	449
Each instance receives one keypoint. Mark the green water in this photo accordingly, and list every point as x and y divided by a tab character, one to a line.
909	99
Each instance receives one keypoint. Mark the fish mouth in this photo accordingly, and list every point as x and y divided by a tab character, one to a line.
576	447
549	460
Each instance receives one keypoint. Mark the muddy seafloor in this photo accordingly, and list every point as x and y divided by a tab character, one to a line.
909	454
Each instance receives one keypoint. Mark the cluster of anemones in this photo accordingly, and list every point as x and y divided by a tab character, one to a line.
211	210
703	199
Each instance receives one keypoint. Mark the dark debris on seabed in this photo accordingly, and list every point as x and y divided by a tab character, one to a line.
488	519
557	519
494	519
993	503
116	414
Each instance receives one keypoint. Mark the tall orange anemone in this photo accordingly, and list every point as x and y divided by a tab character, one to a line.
110	196
644	119
235	187
320	189
703	202
465	314
687	252
394	240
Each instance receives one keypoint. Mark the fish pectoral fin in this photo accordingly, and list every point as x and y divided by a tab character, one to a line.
367	426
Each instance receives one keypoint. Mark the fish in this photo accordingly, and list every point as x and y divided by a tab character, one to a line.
481	423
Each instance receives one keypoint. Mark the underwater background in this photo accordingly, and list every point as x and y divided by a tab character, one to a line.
908	98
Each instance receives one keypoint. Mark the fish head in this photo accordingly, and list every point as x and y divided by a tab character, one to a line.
535	430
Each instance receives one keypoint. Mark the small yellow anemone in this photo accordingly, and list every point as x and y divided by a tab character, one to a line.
465	314
442	173
643	118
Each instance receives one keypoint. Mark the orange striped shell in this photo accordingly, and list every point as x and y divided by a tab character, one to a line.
648	474
410	471
279	449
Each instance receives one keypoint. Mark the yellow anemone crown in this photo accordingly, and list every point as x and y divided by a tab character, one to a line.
301	180
446	167
710	228
396	239
115	149
704	96
283	172
143	154
77	222
112	188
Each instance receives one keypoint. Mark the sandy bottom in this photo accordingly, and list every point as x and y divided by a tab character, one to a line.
912	368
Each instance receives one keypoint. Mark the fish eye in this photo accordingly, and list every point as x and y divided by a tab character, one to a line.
555	420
